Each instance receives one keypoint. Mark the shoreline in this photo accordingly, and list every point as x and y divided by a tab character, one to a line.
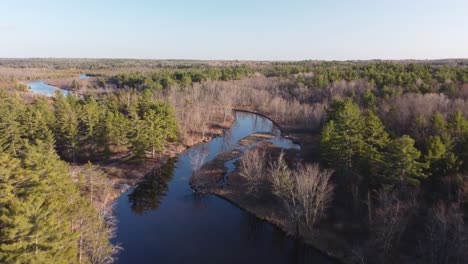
127	171
322	239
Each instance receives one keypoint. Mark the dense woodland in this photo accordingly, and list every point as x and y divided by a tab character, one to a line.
394	133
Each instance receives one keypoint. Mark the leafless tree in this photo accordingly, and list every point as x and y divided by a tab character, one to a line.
314	191
400	113
253	170
95	187
390	219
197	159
305	192
446	236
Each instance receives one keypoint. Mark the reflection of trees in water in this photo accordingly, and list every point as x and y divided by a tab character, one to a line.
303	254
199	201
227	140
151	190
251	227
258	231
260	123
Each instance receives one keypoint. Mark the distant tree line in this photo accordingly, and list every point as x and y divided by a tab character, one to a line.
182	78
386	76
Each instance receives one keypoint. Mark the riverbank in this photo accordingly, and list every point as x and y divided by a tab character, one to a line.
126	171
215	178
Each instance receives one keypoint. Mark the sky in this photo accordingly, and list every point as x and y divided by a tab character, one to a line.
235	29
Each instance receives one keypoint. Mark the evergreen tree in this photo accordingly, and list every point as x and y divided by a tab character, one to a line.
438	124
342	140
12	109
375	139
154	136
37	122
402	162
457	125
116	130
66	127
369	100
35	221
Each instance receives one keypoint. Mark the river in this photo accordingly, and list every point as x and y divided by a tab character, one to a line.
49	90
161	220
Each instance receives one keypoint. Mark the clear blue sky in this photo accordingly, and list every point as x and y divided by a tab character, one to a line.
235	29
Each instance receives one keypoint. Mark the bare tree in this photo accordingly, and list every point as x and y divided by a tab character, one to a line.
253	170
314	191
446	236
305	192
197	159
94	230
391	217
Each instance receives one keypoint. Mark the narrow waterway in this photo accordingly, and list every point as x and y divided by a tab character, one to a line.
42	88
162	221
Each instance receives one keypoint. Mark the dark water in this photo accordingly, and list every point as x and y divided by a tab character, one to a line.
49	90
162	221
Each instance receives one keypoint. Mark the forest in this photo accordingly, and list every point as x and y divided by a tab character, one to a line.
383	166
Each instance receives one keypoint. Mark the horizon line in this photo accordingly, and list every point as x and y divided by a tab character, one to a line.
232	60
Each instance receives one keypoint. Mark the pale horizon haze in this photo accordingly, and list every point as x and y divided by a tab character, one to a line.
235	30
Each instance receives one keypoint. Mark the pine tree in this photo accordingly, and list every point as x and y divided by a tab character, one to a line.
90	118
66	127
457	125
375	139
436	149
12	109
153	125
37	122
116	130
343	141
438	124
402	162
35	221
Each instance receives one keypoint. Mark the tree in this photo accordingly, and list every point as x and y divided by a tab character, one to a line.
153	126
35	219
402	162
391	218
342	139
38	122
12	109
446	239
305	192
436	149
253	170
314	191
44	216
369	100
157	127
375	139
92	216
90	117
457	125
66	127
438	124
116	127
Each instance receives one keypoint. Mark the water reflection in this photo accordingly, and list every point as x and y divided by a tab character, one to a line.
162	221
251	227
200	201
149	193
